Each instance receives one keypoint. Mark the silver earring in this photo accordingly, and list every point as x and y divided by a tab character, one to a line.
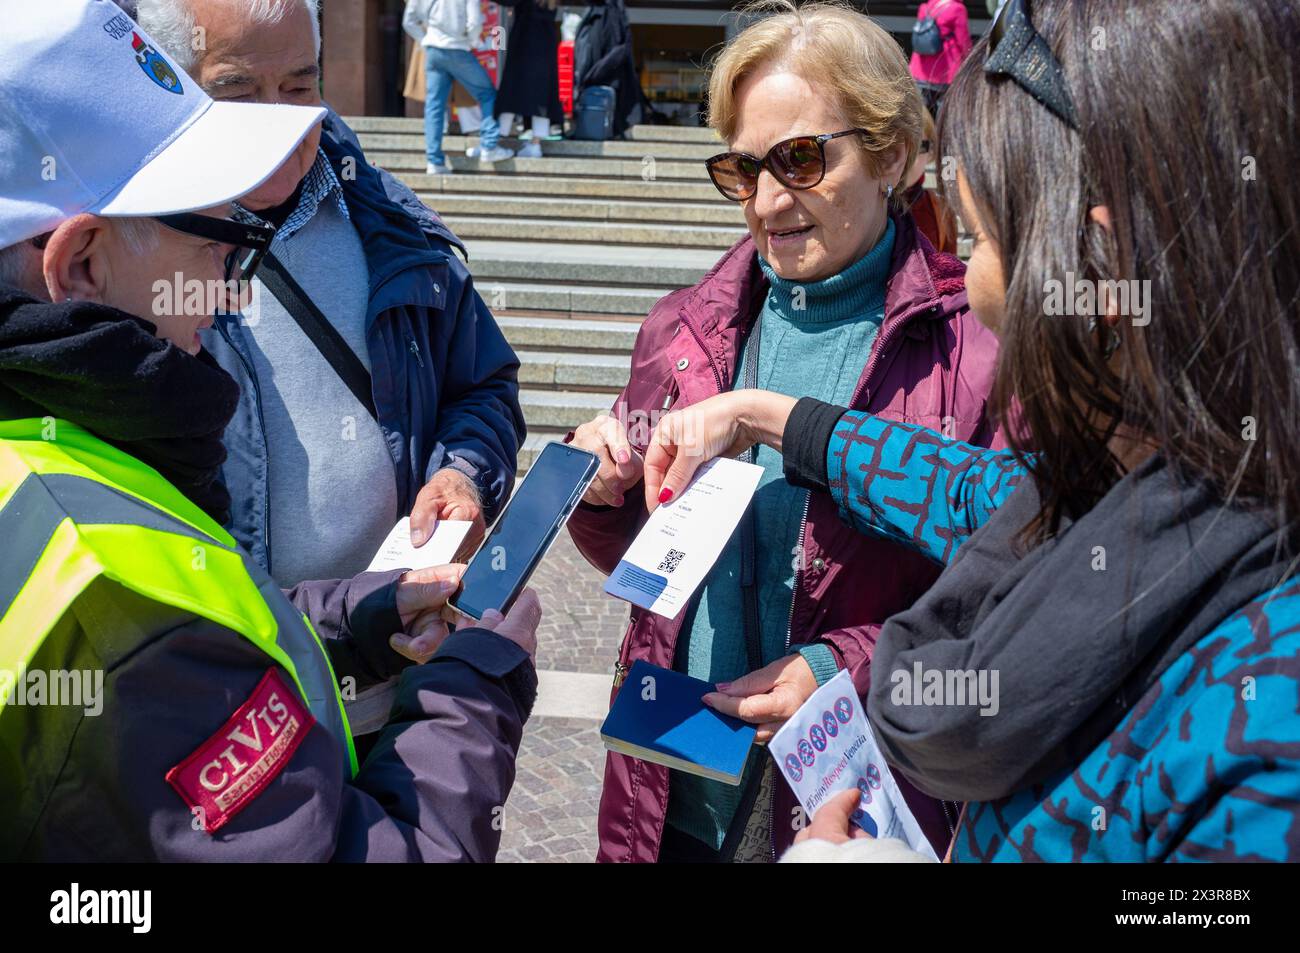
889	193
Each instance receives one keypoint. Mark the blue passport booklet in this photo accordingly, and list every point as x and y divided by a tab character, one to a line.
658	717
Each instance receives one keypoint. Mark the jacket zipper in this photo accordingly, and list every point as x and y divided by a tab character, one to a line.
789	638
718	380
862	392
881	343
266	449
717	376
414	348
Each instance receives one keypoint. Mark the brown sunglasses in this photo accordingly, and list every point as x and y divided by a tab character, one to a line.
797	163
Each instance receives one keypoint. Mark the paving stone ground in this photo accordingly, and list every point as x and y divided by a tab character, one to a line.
551	814
581	626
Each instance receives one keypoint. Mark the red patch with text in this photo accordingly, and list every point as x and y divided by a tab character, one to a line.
236	764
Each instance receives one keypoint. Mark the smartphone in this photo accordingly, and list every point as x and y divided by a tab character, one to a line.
524	531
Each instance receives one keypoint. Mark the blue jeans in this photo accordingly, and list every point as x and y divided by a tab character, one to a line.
441	67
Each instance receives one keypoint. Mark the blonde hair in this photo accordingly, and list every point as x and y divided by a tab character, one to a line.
837	50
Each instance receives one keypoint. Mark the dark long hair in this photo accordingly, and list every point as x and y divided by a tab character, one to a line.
1188	133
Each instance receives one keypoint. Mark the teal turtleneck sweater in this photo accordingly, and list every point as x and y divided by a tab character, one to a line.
816	339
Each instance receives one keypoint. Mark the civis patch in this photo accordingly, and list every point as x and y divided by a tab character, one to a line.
235	765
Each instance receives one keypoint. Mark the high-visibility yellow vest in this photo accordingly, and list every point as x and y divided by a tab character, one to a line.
74	508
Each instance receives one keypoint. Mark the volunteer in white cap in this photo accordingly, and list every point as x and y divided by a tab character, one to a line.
98	126
207	721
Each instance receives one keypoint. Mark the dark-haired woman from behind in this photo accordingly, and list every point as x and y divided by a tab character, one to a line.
1131	580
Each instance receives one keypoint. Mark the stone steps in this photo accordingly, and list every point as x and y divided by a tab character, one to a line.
647	170
551	148
471	227
535	333
434	188
593	209
566	300
602	373
598	265
557	411
643	133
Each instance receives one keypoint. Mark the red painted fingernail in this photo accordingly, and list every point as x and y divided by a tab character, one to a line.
723	686
665	494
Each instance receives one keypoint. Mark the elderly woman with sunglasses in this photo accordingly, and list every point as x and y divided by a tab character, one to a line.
833	293
1128	568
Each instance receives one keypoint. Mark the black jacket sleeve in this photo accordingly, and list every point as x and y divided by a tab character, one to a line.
804	441
354	619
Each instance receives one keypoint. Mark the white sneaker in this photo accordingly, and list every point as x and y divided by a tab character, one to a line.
531	151
497	154
431	169
471	152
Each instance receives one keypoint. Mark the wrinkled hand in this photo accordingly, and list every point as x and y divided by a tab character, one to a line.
449	495
620	465
831	822
721	426
767	697
519	626
422	596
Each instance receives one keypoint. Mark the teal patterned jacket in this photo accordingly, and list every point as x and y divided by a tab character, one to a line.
1206	766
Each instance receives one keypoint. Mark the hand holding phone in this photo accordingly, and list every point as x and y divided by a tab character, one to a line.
522	534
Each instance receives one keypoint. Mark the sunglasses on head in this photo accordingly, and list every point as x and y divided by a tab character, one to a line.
1019	52
797	163
251	241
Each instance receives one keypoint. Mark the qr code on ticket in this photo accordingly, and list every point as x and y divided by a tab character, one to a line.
672	560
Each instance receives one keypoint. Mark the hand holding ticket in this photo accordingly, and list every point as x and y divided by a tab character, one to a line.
398	553
682	539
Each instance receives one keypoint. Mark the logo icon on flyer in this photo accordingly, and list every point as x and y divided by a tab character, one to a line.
873	776
793	768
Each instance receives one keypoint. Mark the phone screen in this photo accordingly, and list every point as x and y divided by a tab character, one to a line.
521	535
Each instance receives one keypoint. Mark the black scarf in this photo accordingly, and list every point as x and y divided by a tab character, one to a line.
1075	647
104	370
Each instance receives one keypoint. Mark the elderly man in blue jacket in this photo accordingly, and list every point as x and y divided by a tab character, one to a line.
319	474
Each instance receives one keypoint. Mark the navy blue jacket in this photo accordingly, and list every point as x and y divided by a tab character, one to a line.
444	379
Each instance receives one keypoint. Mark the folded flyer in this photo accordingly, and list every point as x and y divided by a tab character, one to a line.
828	747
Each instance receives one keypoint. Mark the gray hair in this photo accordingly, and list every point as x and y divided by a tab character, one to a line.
140	235
14	265
171	23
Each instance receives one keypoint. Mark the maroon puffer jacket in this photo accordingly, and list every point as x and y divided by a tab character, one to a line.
932	365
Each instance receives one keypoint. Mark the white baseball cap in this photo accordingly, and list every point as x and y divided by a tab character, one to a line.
95	118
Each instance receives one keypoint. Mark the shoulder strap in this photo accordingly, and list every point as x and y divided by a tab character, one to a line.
277	280
756	764
748	582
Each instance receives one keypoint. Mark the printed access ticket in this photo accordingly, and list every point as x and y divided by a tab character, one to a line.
683	538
